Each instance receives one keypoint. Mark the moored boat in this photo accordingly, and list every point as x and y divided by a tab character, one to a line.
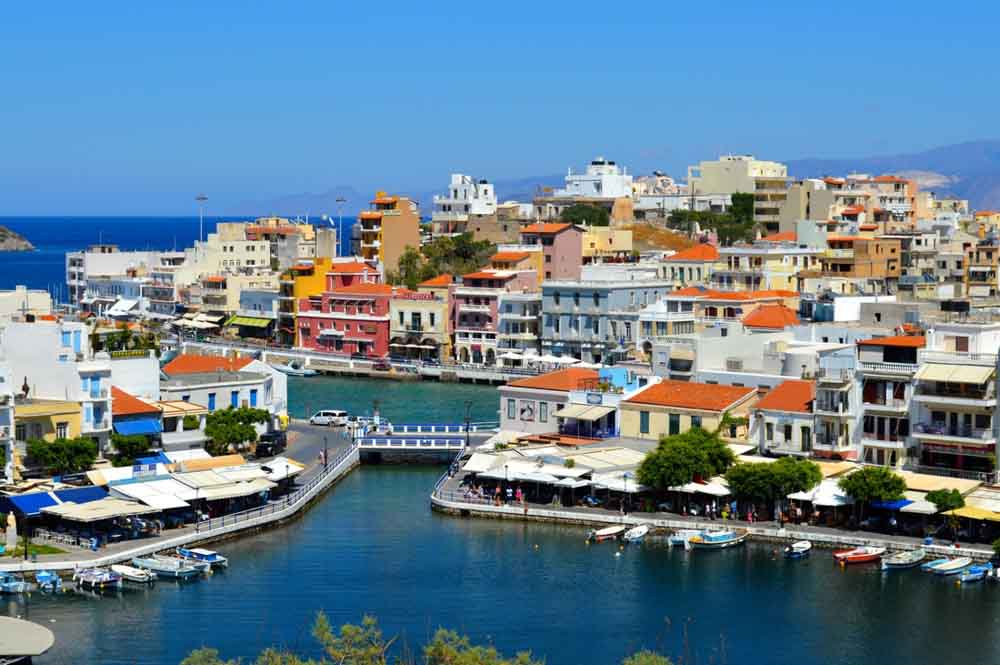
931	565
901	560
11	583
295	368
48	580
952	566
680	537
163	567
976	573
798	550
607	533
98	579
211	557
636	534
200	566
131	574
859	555
717	539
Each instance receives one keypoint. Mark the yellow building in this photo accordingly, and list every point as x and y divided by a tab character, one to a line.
605	242
673	407
300	281
46	419
388	229
735	174
419	325
763	266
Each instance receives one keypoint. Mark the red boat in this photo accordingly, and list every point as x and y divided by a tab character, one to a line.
859	555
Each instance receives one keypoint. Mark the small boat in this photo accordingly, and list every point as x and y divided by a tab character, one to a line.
163	567
11	583
931	565
952	566
859	555
901	560
681	537
130	574
717	539
200	566
295	368
47	580
636	534
976	573
211	557
98	579
798	550
607	533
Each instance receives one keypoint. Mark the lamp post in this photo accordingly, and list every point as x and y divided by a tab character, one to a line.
201	198
468	418
340	220
326	453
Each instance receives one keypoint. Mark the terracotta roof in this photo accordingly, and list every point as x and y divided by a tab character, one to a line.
349	267
563	380
750	295
789	236
868	227
841	238
906	341
887	178
370	214
702	252
123	404
365	289
793	395
214	279
545	228
487	274
688	395
833	181
853	210
509	257
986	213
385	199
440	280
775	316
693	291
303	266
192	364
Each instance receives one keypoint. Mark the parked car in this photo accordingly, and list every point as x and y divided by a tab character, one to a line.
271	444
382	366
329	418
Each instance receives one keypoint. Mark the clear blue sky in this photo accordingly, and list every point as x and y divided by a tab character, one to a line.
133	107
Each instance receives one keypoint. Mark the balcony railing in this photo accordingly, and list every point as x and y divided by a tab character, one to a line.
890	368
957	431
893	403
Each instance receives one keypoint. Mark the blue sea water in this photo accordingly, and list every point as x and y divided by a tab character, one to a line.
45	268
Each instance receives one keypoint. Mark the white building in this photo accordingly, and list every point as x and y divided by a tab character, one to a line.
732	174
22	300
603	179
466	198
7	420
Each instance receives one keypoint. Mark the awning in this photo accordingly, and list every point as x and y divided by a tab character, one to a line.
33	503
235	490
712	489
891	505
919	504
572	411
971	512
105	509
595	413
135	426
572	483
163	493
976	374
827	494
480	462
121	308
281	468
248	321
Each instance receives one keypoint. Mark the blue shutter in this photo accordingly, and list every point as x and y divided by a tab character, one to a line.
211	401
65	338
77	341
234	398
253	397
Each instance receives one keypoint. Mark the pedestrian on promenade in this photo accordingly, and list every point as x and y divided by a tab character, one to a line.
519	495
510	494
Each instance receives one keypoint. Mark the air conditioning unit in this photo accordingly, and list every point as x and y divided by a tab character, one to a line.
734	364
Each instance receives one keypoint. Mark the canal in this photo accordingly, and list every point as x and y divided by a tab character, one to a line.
373	546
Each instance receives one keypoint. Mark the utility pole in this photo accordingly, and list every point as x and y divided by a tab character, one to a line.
201	198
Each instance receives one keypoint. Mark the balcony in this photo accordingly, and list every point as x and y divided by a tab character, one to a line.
469	307
101	425
840	253
830	442
959	434
895	369
832	408
98	394
964	398
869	440
895	405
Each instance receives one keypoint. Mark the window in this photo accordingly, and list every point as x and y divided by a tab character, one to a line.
543	412
555	296
644	422
20	432
806	438
253	397
674	424
185	398
211	401
695	421
548	258
527	411
401	316
597	300
788	432
62	430
768	431
576	299
433	317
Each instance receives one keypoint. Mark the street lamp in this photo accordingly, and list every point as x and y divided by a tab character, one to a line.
326	453
340	220
468	418
201	198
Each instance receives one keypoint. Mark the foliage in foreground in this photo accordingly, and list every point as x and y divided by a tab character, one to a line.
63	456
128	448
680	458
365	644
946	499
770	481
232	427
873	483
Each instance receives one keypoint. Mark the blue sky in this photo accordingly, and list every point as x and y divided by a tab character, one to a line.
132	107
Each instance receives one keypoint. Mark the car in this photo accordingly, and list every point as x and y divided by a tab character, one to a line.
382	366
329	418
271	444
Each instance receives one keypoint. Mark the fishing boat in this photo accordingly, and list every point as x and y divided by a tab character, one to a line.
859	555
931	565
607	533
98	579
295	368
681	537
169	568
717	539
200	566
976	573
953	566
131	574
798	550
47	580
636	534
211	557
901	560
11	583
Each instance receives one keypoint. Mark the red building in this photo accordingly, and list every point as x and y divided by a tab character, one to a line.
347	320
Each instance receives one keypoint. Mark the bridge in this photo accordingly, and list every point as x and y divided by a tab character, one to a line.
441	442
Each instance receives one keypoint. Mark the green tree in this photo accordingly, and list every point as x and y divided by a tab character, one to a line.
231	427
410	268
946	499
767	482
582	213
741	207
353	644
127	448
646	657
63	456
873	483
678	459
752	482
450	648
791	474
190	423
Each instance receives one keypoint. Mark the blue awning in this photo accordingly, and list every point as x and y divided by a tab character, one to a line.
31	504
138	426
82	494
158	458
891	505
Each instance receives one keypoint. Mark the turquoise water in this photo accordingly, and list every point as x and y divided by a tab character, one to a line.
400	401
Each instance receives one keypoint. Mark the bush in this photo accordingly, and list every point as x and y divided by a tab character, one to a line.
232	427
680	458
945	500
582	213
127	448
63	456
191	423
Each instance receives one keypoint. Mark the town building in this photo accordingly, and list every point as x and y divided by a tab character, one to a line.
131	416
604	184
21	301
763	265
475	311
562	248
519	327
418	327
855	265
735	174
7	421
670	407
781	422
388	228
691	266
530	405
886	367
468	201
981	268
606	244
346	321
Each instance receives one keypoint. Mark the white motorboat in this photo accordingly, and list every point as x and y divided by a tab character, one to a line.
131	574
295	368
681	537
798	550
608	533
201	555
636	534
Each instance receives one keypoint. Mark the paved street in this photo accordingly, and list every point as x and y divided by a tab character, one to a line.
305	443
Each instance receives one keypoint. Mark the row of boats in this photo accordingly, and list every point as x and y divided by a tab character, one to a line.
689	538
183	563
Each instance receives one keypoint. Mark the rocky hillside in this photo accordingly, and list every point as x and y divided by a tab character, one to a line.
13	242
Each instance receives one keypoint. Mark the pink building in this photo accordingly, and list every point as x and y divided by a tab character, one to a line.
474	310
347	320
350	273
562	248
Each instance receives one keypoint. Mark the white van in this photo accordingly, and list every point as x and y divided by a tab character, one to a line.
329	418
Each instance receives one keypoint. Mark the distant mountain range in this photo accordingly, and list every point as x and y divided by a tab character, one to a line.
968	170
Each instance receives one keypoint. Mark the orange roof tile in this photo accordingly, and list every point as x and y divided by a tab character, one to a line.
830	239
853	210
775	316
545	228
702	252
696	291
751	295
784	236
123	404
350	267
868	227
833	181
214	279
887	178
509	257
370	214
365	289
793	395
688	395
564	380
192	364
440	280
986	213
906	341
303	266
487	274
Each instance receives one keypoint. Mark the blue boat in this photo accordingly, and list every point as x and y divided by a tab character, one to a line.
98	579
976	573
47	580
171	568
197	554
11	583
798	550
718	539
931	565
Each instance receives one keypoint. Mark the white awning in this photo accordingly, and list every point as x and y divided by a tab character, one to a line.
712	489
282	467
572	483
234	490
975	374
480	462
94	511
827	494
572	411
121	308
920	505
510	355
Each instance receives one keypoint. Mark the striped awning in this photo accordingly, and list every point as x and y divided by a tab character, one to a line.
248	321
